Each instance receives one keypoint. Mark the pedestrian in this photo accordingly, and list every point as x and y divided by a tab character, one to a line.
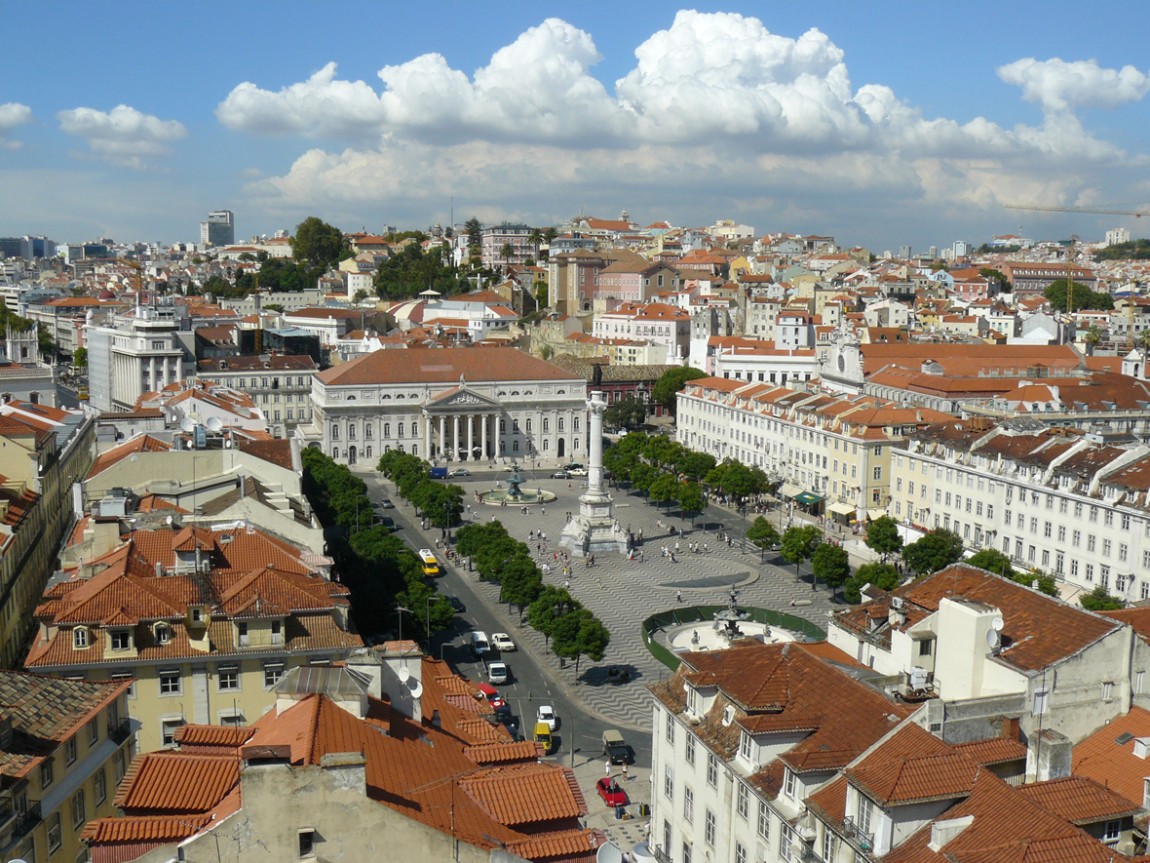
608	768
544	509
567	584
678	596
530	535
625	777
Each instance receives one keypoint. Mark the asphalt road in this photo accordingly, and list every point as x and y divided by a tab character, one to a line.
579	736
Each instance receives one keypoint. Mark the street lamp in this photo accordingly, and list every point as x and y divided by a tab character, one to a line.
399	610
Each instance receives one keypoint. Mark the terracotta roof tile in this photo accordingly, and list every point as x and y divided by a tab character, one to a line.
443	366
1079	800
522	795
1107	756
163	781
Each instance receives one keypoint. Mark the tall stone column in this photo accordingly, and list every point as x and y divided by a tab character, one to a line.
455	437
483	435
442	435
595	529
596	407
470	454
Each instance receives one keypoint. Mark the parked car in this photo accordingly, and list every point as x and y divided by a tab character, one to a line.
457	604
573	466
546	713
461	471
560	474
577	471
611	793
498	672
502	642
385	503
615	748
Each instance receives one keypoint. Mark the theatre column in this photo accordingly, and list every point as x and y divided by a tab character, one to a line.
455	437
470	454
483	436
442	435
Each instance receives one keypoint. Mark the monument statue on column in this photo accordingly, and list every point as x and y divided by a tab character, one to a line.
594	528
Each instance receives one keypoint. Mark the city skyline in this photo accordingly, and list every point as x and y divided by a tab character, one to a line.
898	125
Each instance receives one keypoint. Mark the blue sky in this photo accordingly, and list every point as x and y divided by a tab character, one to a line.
883	124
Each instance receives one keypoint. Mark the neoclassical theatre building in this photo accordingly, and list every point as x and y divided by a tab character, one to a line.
448	404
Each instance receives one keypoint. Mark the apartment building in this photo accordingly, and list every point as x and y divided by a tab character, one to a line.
64	746
279	385
831	450
137	352
1070	503
658	323
202	623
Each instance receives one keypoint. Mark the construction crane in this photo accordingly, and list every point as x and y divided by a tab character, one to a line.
1137	214
1100	211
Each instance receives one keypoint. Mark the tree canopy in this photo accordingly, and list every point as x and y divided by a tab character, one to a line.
799	542
628	413
1099	600
1084	298
670	382
831	565
317	244
882	537
935	551
412	270
762	533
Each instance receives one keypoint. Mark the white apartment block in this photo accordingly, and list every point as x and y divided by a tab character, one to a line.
143	351
280	386
1069	503
835	447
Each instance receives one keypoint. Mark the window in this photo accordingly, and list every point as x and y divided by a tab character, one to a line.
168	730
170	681
1039	707
80	637
690	749
764	825
742	800
93	732
789	783
229	677
686	851
740	853
100	785
925	647
745	745
47	776
70	750
785	842
712	769
828	845
668	783
121	677
1111	831
877	474
866	813
1107	690
670	730
709	828
688	804
55	837
79	810
121	639
335	432
307	843
163	633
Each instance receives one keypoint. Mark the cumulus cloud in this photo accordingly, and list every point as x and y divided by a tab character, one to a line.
1060	86
122	136
12	114
755	115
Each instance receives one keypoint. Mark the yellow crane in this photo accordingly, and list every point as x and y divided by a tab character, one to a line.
1096	211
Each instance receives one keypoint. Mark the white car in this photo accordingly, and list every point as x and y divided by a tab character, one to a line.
498	672
546	714
502	642
577	471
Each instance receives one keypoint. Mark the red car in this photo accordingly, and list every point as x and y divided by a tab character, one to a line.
501	707
611	793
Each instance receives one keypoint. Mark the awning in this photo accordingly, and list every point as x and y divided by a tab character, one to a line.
808	498
873	514
841	508
789	490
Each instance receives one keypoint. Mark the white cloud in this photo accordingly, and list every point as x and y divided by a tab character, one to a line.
12	114
717	111
1057	85
122	136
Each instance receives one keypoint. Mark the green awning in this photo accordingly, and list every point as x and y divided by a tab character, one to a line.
808	498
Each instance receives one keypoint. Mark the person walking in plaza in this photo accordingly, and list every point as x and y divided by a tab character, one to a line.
678	596
608	768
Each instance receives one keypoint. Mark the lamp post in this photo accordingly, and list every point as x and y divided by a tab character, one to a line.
428	620
399	610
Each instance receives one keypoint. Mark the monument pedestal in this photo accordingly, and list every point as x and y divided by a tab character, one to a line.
594	528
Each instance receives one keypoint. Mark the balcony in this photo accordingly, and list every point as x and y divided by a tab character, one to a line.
860	841
661	855
27	821
120	732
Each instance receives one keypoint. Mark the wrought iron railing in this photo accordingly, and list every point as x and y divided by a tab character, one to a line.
860	840
27	821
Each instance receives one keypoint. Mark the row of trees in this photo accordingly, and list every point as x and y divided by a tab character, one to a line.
439	502
571	630
381	572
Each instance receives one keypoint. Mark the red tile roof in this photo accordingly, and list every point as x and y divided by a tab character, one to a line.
1080	800
1107	756
444	366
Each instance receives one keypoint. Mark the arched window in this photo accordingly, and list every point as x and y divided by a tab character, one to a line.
502	424
367	453
562	424
387	429
368	431
334	432
515	446
546	425
400	430
351	432
575	423
546	445
415	428
528	426
335	452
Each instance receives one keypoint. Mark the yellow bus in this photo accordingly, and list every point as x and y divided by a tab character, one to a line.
429	561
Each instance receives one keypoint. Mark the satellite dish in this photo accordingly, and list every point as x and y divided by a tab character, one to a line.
997	624
416	688
169	520
215	424
609	852
188	424
404	674
993	640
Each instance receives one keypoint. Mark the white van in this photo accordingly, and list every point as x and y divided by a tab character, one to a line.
478	642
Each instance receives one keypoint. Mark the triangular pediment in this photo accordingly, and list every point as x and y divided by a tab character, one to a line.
461	397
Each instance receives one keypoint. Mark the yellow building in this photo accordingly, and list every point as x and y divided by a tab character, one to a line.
64	746
201	623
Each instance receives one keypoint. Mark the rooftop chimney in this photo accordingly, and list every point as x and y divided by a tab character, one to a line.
1048	756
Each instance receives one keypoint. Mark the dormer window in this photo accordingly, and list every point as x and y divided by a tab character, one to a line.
163	633
120	639
196	614
728	715
80	637
745	746
692	699
789	783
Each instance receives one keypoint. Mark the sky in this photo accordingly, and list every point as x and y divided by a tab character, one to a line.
882	124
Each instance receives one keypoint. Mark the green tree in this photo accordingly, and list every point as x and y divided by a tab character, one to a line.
412	270
696	465
691	500
628	413
443	504
317	244
1084	298
474	230
882	537
505	252
80	358
664	488
992	560
643	476
736	479
667	387
547	608
798	544
937	550
579	633
520	582
995	277
884	576
1099	600
831	565
762	533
